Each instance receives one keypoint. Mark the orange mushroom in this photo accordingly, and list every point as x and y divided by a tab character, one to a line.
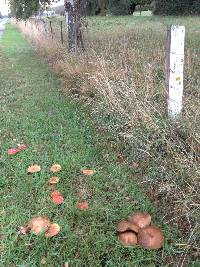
53	230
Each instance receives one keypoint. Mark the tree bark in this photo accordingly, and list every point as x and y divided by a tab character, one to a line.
75	39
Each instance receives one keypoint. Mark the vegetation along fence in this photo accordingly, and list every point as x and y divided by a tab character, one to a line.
174	58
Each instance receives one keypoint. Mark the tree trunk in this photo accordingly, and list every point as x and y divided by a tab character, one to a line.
75	38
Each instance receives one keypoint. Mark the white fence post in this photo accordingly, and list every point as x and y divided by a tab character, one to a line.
174	69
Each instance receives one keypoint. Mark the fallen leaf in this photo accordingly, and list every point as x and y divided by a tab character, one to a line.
55	168
34	169
54	180
120	157
39	224
53	230
57	198
82	205
13	151
88	172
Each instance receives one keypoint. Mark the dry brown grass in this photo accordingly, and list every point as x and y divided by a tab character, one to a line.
121	77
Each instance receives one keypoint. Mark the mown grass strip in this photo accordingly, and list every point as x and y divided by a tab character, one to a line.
57	130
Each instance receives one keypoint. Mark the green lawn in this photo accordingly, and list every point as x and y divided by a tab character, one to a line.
58	130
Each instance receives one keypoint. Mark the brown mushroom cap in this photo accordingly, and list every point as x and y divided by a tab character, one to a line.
140	219
128	238
124	226
150	237
53	230
39	224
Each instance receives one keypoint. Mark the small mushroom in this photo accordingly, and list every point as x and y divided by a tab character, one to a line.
56	168
53	230
124	226
150	237
33	169
54	180
128	238
140	219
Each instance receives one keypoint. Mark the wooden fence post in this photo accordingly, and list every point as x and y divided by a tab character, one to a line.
174	69
45	25
51	29
61	31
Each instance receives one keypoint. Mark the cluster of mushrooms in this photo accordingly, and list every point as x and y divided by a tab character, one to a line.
138	231
40	224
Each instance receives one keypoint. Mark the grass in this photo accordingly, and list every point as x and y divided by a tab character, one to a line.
58	130
121	81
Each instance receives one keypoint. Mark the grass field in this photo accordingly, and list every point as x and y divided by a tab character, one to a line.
120	80
57	130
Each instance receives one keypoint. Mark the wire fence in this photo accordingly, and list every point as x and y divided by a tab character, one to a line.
57	29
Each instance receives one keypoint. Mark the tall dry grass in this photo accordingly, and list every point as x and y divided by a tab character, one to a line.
121	77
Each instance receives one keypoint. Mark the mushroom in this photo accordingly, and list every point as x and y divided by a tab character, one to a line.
39	224
56	168
150	237
33	169
54	180
53	230
140	219
128	238
124	226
